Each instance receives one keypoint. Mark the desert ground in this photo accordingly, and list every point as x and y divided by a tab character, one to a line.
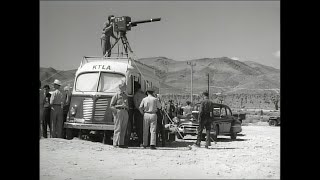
255	154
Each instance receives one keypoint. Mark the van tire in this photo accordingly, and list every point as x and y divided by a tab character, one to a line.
69	134
106	137
233	136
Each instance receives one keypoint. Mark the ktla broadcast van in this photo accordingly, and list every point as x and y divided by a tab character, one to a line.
96	81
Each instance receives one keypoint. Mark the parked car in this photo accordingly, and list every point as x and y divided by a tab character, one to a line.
274	121
224	123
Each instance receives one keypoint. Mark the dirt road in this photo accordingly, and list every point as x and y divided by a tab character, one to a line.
254	155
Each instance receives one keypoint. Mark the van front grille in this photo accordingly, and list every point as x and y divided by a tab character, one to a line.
87	109
101	106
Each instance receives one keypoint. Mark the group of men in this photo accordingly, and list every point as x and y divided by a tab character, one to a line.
145	116
54	107
150	109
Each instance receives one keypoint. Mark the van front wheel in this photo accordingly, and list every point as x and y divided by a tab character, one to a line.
69	134
233	136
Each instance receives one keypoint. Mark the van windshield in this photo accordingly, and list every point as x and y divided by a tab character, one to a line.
108	82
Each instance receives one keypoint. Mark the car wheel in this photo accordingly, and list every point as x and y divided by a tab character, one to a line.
272	123
69	134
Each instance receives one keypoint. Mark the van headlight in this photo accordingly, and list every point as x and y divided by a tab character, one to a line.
73	110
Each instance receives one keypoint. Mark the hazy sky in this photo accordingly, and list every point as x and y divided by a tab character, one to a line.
242	30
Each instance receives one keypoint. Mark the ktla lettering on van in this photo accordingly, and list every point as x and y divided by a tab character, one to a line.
96	67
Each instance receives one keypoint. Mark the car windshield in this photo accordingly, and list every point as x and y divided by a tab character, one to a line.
108	82
216	111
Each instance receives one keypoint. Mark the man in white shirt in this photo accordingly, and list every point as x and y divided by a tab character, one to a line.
148	107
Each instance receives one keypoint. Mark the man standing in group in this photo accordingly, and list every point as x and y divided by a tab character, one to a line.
46	111
160	133
41	97
56	102
106	33
187	109
170	110
119	104
138	118
148	107
67	95
206	118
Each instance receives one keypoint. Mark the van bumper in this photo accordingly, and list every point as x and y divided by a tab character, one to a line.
89	126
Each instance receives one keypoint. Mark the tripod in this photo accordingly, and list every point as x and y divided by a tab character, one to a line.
125	43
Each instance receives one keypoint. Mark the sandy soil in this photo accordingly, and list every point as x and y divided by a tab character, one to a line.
254	155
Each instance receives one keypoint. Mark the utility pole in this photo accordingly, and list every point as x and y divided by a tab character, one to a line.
191	65
208	85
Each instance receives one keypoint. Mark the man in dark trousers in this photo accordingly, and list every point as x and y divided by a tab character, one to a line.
206	118
46	111
170	110
138	118
106	33
160	134
41	97
56	115
66	106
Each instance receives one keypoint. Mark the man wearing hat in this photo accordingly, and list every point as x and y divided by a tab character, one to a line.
148	108
56	102
119	104
206	118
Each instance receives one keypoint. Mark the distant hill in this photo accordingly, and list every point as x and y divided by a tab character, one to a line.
225	75
48	75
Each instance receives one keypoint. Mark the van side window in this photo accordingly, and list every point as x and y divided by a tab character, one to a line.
145	86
